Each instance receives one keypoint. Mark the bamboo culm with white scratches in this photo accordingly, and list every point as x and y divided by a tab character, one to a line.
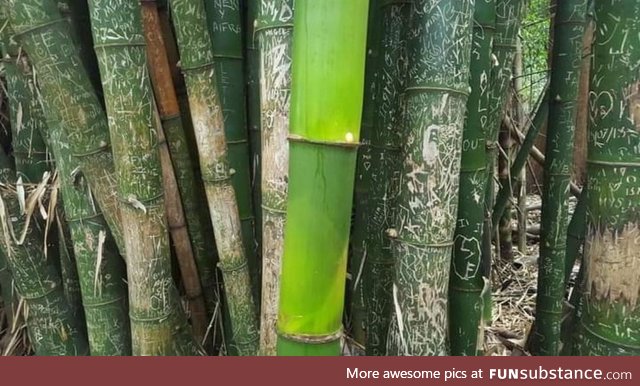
274	31
158	323
198	67
609	309
569	25
439	50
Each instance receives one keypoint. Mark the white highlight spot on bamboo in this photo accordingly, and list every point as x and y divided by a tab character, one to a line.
430	148
349	137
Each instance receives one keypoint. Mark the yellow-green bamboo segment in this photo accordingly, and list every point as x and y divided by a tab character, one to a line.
329	46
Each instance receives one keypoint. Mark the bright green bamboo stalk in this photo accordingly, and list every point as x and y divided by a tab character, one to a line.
197	63
436	95
565	73
224	19
274	31
69	98
326	109
536	123
466	282
610	319
52	329
509	14
158	324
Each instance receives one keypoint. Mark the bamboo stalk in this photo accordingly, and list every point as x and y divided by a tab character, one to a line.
181	243
321	167
49	314
536	122
158	324
274	31
539	158
224	20
520	111
466	282
252	70
33	161
438	75
565	74
379	164
51	326
103	290
357	313
178	160
197	64
509	15
101	271
609	323
69	98
6	289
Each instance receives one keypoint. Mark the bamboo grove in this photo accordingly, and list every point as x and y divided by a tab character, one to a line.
304	177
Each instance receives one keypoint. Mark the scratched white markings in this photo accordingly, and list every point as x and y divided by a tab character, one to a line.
207	116
440	47
611	312
274	30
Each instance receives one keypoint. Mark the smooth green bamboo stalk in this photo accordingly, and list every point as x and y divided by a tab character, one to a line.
274	31
565	74
536	122
439	49
197	63
610	318
224	19
326	108
158	323
69	99
466	281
